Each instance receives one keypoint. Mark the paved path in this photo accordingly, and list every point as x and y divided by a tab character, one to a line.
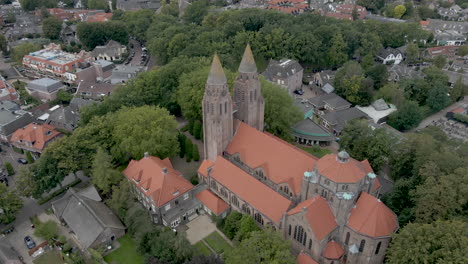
440	114
199	228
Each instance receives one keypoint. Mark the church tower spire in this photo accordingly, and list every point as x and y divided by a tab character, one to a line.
247	92
217	112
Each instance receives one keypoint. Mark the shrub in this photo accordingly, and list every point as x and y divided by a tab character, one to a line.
194	179
9	168
196	154
47	230
182	138
29	157
190	126
197	129
188	149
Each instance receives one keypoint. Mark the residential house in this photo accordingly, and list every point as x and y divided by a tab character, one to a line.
294	7
287	73
68	33
455	76
112	51
96	71
162	190
34	137
345	11
45	88
64	118
77	103
378	111
453	13
123	73
324	80
133	5
8	254
94	90
12	119
98	17
399	72
447	32
7	92
448	51
460	66
26	25
88	218
390	56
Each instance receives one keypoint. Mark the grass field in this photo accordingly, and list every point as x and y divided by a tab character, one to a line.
316	151
125	254
48	258
217	242
201	249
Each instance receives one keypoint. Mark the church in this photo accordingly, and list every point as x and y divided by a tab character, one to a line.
327	207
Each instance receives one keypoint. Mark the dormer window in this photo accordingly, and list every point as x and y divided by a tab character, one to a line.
175	193
48	133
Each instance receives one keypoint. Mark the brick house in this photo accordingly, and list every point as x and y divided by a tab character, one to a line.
34	137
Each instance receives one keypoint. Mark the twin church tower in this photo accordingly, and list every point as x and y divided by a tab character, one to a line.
220	111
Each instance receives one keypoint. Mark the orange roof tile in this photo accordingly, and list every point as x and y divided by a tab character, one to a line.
303	258
318	214
148	175
347	172
372	217
281	161
333	250
424	23
458	110
37	135
255	193
213	202
203	169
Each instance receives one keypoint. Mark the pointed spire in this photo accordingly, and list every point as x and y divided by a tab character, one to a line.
247	64
216	75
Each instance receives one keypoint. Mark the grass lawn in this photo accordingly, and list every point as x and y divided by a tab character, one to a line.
217	242
202	249
316	151
48	258
125	254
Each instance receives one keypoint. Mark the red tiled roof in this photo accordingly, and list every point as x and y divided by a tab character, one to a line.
458	110
442	50
348	172
2	84
339	16
99	17
333	250
203	169
37	135
318	214
303	258
424	23
372	217
148	175
213	202
255	193
281	161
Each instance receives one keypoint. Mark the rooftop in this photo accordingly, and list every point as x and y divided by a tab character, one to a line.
213	202
339	171
37	135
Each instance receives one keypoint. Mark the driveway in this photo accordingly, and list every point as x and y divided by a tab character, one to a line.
200	228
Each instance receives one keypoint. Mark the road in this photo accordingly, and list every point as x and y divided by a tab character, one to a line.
8	155
136	60
440	114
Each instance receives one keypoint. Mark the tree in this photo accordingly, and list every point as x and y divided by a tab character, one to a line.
408	116
337	54
188	149
400	10
443	197
196	154
10	203
19	51
121	199
9	168
146	129
138	22
412	53
355	13
378	74
212	259
166	246
280	112
231	224
458	90
25	184
93	34
3	43
52	27
171	8
247	225
463	50
264	246
182	138
439	242
47	230
438	96
391	93
197	129
440	61
104	176
98	4
196	12
29	157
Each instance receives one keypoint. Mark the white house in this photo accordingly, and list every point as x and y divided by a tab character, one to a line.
390	56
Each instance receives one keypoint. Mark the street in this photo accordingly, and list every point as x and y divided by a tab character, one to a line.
8	155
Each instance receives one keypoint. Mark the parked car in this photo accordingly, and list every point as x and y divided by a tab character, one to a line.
29	242
4	179
22	161
299	92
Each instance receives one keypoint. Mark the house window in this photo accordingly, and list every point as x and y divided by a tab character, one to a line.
289	230
327	182
310	243
214	186
186	196
220	109
300	235
362	245
167	207
258	217
347	239
305	239
245	209
224	192
377	249
235	201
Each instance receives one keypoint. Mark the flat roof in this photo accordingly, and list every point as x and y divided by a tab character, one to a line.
44	81
377	115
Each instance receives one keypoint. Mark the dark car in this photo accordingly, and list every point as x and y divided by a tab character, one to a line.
22	161
29	242
299	92
4	180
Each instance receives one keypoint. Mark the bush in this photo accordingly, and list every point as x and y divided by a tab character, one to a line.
188	149
29	157
47	230
9	168
191	125
182	138
17	150
196	154
231	224
461	118
197	129
194	179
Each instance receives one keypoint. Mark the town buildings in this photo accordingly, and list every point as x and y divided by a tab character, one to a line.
34	137
286	72
12	119
45	88
123	73
390	56
112	51
327	207
294	7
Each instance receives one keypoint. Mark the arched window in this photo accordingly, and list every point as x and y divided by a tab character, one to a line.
347	239
245	209
362	245
214	186
310	243
377	249
300	235
235	201
295	232
224	192
289	230
225	107
305	239
220	109
258	217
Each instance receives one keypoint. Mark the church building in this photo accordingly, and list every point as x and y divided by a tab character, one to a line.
327	207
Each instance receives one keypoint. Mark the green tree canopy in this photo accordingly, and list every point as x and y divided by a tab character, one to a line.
52	27
47	230
104	176
399	11
439	242
19	51
196	12
146	129
10	203
262	247
406	117
93	34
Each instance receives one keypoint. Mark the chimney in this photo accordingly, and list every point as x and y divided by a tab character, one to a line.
146	154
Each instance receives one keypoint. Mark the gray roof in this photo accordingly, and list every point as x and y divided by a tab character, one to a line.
10	121
86	217
380	105
332	99
400	71
247	64
328	88
216	75
9	105
65	116
77	103
339	118
308	129
454	76
383	53
282	69
45	85
111	48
